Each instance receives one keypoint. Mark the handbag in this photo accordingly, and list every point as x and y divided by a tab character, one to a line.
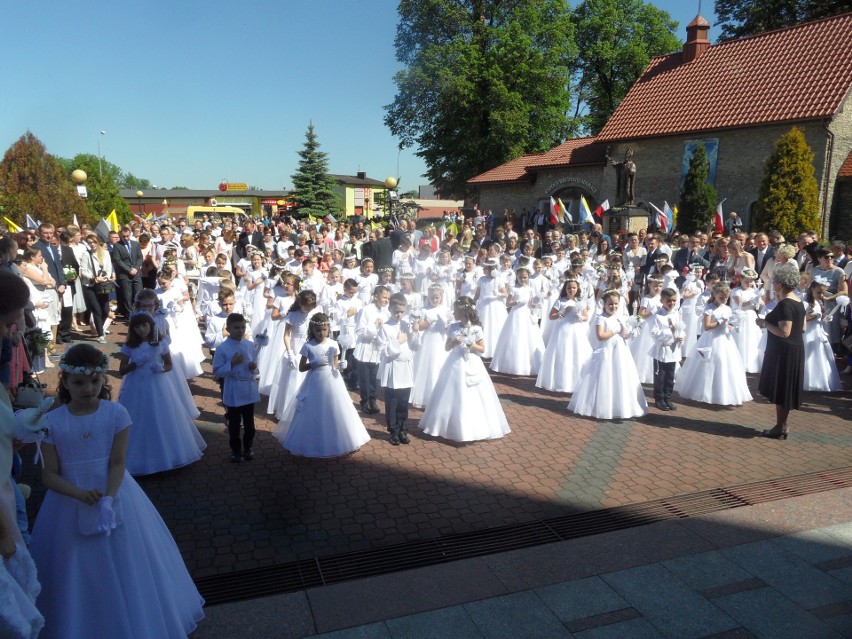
104	288
29	394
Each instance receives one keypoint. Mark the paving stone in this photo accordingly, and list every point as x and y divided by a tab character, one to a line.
815	546
685	613
706	570
512	616
446	623
768	613
582	598
369	631
633	628
809	587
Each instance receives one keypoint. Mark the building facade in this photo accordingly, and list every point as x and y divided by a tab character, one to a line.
736	98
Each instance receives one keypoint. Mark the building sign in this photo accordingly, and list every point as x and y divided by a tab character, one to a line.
591	188
237	186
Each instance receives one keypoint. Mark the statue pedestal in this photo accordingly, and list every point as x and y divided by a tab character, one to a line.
621	219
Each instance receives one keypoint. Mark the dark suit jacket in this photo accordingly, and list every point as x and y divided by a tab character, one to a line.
382	252
770	253
255	239
124	260
54	265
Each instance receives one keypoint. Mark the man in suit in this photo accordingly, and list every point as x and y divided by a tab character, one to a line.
762	252
251	236
48	244
691	252
126	262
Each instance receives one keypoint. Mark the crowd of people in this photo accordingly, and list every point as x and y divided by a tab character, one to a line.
306	313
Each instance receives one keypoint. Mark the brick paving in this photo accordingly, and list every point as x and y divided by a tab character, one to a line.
278	508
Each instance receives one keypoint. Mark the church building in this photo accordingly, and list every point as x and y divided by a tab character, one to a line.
736	98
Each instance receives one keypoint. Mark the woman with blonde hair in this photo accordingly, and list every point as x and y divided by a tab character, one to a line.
98	280
738	259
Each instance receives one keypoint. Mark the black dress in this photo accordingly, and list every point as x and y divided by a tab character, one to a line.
783	374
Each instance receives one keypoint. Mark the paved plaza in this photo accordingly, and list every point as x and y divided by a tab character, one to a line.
278	509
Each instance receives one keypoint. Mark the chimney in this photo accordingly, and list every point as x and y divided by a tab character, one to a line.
361	175
696	39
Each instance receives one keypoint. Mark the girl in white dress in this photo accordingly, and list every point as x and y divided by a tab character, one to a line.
186	338
746	300
690	293
430	356
609	386
270	355
467	278
641	345
322	421
820	368
254	302
520	346
568	349
714	373
464	406
490	301
288	377
165	436
97	537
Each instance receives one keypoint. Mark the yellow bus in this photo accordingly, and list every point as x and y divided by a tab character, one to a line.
198	212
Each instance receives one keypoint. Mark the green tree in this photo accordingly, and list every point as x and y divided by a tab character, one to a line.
740	18
130	181
789	193
34	182
615	39
484	81
313	187
697	196
102	186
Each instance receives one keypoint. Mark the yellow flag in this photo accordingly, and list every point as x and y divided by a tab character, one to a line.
12	226
112	220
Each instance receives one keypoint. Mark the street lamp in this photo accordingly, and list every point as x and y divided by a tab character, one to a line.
100	166
79	178
390	184
139	205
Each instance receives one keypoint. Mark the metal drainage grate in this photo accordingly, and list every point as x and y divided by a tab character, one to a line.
323	571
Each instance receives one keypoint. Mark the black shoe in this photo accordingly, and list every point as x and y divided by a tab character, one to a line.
236	459
372	408
773	434
670	405
403	437
661	405
249	453
394	440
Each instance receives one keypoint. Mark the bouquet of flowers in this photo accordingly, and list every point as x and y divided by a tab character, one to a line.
37	342
70	273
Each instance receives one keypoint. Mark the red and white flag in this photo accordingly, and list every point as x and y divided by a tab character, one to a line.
719	218
602	208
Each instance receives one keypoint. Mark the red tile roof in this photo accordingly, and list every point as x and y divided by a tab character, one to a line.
846	170
511	171
574	152
793	74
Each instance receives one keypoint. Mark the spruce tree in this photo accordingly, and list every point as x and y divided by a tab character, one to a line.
313	188
697	197
789	194
34	182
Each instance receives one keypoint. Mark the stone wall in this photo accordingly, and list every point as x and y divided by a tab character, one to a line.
838	224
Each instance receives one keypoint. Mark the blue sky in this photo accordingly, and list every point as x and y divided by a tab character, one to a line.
191	92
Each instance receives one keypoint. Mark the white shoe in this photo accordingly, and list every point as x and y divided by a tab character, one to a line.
102	340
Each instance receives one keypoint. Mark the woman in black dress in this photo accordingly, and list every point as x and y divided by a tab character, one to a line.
783	372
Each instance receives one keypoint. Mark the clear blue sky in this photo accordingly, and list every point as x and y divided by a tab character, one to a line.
194	91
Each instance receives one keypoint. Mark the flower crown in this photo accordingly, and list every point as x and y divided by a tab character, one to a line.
102	368
320	322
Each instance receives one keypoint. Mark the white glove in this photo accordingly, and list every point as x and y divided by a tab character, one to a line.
107	515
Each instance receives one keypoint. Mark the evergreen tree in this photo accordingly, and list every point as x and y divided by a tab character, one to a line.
313	188
697	196
789	193
34	182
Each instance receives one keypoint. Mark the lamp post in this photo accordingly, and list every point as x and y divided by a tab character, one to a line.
78	176
390	184
100	165
139	205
